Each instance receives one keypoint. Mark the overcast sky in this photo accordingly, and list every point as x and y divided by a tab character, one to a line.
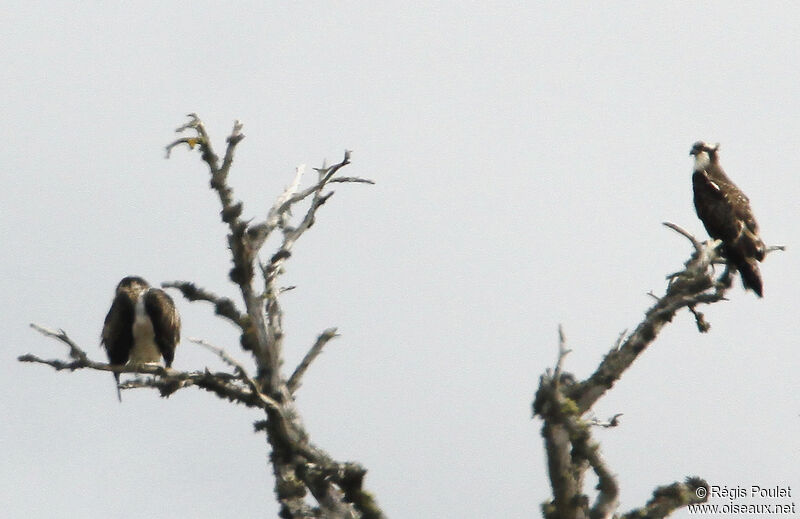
525	157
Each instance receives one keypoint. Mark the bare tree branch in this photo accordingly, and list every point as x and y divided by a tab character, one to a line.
299	466
254	335
278	215
351	180
566	475
688	288
241	373
561	401
668	498
167	380
316	349
74	351
222	305
698	246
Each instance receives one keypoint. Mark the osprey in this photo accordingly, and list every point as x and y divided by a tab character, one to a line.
726	214
141	327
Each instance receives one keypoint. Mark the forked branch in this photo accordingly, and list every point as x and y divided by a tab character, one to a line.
299	466
562	402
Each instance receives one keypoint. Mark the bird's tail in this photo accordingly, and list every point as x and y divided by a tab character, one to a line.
119	393
751	275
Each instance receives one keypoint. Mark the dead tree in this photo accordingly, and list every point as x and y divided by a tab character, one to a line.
300	466
564	404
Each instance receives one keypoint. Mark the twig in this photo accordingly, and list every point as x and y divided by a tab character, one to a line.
316	349
680	230
611	422
353	180
194	122
222	305
233	139
562	353
166	380
241	373
257	234
703	326
278	213
282	205
74	351
219	174
222	384
224	356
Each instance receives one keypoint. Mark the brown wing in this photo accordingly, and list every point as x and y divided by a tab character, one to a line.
749	241
741	207
746	241
713	207
117	334
726	214
166	322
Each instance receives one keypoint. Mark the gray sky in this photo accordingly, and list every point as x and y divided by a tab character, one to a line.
525	158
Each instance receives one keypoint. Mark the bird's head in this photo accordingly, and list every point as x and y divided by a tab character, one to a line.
133	285
704	154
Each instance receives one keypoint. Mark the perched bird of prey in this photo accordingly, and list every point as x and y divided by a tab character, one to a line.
141	327
726	214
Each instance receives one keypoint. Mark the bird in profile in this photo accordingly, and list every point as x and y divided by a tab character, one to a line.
726	214
141	327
